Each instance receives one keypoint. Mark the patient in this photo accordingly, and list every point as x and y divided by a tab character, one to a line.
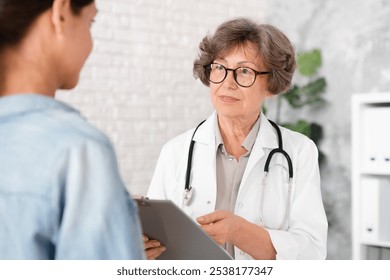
61	195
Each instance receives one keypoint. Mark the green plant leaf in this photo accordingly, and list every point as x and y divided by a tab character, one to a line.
298	97
264	109
312	130
308	94
314	88
316	132
309	62
300	126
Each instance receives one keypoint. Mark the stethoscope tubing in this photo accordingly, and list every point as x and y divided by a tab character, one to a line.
189	159
188	190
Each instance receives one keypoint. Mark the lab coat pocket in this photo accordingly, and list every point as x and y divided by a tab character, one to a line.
275	195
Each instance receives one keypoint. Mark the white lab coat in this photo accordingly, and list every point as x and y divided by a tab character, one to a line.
305	234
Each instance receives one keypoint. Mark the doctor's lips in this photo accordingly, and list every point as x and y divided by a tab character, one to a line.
228	99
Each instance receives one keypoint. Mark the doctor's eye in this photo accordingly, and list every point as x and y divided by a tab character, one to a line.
216	67
245	71
219	67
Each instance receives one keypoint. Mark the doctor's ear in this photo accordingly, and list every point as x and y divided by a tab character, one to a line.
61	10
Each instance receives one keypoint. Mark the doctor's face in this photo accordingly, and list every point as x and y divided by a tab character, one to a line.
232	100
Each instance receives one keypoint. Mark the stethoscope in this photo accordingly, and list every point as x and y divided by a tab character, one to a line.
189	191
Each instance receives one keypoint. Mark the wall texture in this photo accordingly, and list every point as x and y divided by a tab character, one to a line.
138	87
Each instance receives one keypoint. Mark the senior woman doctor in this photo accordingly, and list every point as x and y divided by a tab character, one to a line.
243	63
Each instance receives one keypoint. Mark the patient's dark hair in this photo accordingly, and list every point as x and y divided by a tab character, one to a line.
16	16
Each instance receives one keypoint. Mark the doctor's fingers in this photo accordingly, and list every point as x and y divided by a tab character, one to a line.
153	248
153	253
152	244
228	228
213	217
216	231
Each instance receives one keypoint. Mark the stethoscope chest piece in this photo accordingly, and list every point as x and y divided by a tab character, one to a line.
188	195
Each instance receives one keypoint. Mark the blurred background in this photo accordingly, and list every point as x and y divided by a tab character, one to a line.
138	86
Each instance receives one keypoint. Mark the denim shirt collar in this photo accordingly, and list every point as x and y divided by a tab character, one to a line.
19	104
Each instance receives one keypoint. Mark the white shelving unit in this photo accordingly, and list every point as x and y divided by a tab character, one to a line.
371	176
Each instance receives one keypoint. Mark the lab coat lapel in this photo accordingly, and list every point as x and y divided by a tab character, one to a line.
266	138
204	161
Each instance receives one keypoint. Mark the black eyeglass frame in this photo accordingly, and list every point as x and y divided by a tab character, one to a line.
234	73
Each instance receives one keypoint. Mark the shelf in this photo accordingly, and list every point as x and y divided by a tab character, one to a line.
371	98
370	193
375	172
385	244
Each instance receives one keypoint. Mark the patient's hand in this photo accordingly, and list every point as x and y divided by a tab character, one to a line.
153	248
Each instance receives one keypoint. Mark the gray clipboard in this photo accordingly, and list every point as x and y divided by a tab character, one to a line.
183	238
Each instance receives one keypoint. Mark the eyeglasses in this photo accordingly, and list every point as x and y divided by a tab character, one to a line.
244	76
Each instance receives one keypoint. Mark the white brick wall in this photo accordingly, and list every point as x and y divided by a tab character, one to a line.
137	85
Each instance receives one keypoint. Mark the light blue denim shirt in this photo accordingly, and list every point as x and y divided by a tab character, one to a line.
61	195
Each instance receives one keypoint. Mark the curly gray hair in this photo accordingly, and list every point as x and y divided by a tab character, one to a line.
274	47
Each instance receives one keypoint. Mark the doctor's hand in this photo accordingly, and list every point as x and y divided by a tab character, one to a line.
221	225
153	248
253	239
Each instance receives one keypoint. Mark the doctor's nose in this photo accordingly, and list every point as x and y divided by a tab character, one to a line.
230	80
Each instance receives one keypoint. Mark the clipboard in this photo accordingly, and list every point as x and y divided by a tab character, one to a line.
183	238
